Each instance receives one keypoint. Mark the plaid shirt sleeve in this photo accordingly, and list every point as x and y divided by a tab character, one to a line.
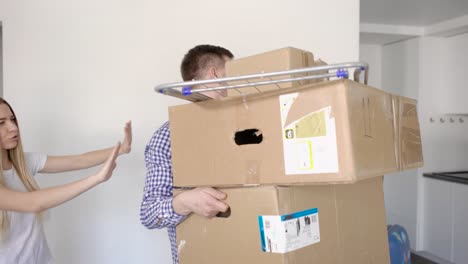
156	208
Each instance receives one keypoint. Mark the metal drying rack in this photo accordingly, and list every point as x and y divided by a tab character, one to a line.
185	90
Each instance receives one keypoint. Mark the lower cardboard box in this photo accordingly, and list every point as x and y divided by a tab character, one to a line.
326	224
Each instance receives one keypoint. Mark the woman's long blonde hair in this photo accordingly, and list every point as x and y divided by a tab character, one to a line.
16	157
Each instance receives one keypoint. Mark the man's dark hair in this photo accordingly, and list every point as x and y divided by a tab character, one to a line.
199	58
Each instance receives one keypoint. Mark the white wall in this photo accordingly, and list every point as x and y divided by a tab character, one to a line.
400	68
75	71
431	70
372	54
445	146
455	86
394	68
400	75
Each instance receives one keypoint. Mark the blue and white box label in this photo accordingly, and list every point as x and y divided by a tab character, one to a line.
285	233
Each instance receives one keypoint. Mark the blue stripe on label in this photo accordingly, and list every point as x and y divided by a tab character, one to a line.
262	232
287	217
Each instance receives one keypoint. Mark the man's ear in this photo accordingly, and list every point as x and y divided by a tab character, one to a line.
212	73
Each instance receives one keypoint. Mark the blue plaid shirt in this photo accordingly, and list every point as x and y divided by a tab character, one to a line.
156	208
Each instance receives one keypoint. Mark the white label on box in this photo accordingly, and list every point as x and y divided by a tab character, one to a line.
285	233
309	143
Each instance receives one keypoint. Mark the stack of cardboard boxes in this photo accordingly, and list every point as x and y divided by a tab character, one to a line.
301	163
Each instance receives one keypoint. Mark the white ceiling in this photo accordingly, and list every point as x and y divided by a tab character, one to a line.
415	14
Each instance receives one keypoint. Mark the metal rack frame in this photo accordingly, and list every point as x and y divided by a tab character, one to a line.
185	90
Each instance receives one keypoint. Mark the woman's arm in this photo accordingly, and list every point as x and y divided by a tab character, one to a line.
56	164
40	200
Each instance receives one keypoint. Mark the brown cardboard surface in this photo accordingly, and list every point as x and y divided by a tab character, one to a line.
276	60
320	62
351	220
206	154
408	133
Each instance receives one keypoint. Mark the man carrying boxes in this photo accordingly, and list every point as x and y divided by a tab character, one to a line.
159	209
301	165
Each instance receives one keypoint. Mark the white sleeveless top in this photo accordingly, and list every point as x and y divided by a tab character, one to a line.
25	241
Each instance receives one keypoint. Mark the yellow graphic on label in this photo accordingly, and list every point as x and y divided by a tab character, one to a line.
304	154
312	125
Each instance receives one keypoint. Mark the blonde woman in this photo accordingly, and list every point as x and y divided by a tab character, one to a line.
22	239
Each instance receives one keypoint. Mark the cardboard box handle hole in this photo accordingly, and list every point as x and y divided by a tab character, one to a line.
248	137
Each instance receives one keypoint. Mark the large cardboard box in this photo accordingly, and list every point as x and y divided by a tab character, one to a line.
276	60
329	132
329	224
